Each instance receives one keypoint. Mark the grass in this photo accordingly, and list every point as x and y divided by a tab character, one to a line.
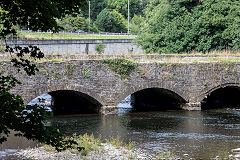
56	36
207	53
116	142
220	57
164	60
192	60
120	66
170	60
87	143
161	156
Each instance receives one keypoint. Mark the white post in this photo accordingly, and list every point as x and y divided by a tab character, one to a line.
28	24
128	16
89	28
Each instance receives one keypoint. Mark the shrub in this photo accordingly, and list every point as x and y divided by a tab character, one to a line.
122	67
100	48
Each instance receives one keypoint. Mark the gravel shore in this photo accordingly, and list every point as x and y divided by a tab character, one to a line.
105	152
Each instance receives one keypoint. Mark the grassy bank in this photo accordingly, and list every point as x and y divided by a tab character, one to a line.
189	60
87	143
57	36
90	148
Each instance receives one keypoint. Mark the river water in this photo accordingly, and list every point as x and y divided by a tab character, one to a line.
201	134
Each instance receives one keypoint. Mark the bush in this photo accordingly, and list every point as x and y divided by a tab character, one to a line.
84	144
2	47
122	67
111	21
100	48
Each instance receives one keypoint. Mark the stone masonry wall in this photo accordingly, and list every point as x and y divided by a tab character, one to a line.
81	47
191	81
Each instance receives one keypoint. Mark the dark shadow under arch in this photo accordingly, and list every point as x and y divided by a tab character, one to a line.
152	99
73	102
222	97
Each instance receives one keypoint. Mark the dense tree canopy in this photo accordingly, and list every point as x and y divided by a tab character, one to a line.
96	7
38	15
42	15
176	26
111	21
136	24
121	6
75	22
72	23
136	6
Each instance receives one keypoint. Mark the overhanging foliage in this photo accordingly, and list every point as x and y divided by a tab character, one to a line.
176	26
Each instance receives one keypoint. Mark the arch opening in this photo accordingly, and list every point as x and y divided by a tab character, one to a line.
73	102
155	99
225	97
65	102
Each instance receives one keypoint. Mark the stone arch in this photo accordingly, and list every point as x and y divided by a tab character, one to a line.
135	89
153	99
35	92
223	96
205	94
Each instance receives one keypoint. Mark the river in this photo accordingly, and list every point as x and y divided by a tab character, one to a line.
201	134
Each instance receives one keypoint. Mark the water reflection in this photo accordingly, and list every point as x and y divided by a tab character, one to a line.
8	148
201	134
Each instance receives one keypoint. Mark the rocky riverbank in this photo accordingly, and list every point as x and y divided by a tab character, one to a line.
105	151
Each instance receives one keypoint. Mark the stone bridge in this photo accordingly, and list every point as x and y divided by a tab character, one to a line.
186	83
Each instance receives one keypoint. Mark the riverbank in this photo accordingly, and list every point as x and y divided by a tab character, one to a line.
105	151
86	147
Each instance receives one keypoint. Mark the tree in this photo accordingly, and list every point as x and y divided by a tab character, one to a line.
136	6
38	15
28	121
96	7
72	23
111	21
75	22
2	13
136	23
176	26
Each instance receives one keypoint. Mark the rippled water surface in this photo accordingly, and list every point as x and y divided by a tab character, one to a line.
201	134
